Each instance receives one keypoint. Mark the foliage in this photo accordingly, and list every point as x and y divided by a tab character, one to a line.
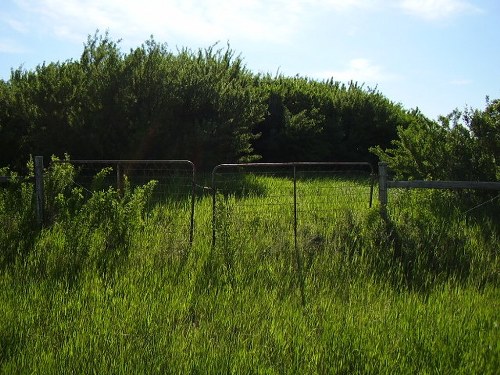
77	229
205	106
109	286
149	103
105	288
17	218
93	233
329	121
485	126
448	150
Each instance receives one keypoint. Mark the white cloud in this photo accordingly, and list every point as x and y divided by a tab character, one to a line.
11	47
437	9
17	25
461	82
202	21
360	70
341	4
206	21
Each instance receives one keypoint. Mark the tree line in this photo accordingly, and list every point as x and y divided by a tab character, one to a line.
205	106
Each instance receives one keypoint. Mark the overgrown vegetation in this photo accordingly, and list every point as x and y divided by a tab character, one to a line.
204	106
111	283
108	287
449	150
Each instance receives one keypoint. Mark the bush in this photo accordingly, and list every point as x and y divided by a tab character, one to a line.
17	216
448	150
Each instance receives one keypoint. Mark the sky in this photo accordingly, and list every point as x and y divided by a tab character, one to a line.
435	55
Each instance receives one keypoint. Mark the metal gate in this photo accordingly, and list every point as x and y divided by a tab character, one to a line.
300	199
175	182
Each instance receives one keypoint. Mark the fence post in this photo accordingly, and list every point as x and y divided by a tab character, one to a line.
193	193
119	179
295	234
382	187
39	189
214	207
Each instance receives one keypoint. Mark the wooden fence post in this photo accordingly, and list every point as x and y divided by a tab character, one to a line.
382	187
119	179
39	189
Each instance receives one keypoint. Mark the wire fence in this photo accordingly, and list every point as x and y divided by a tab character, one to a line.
288	203
174	184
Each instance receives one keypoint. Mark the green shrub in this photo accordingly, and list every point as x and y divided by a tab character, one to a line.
17	216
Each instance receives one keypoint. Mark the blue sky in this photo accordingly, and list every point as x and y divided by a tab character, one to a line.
436	55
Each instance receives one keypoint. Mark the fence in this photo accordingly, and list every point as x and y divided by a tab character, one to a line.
38	180
285	206
296	193
175	182
385	184
299	192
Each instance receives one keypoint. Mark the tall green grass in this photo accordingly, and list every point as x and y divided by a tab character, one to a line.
111	286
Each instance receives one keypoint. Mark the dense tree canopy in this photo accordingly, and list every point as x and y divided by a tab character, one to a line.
309	120
206	106
147	104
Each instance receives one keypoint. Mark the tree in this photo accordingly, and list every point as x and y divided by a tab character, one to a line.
149	103
330	121
203	105
485	126
448	150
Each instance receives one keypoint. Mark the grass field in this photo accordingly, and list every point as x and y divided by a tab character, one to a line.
109	286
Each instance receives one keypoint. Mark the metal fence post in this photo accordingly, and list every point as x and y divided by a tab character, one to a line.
295	212
214	205
298	258
193	193
39	189
382	187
